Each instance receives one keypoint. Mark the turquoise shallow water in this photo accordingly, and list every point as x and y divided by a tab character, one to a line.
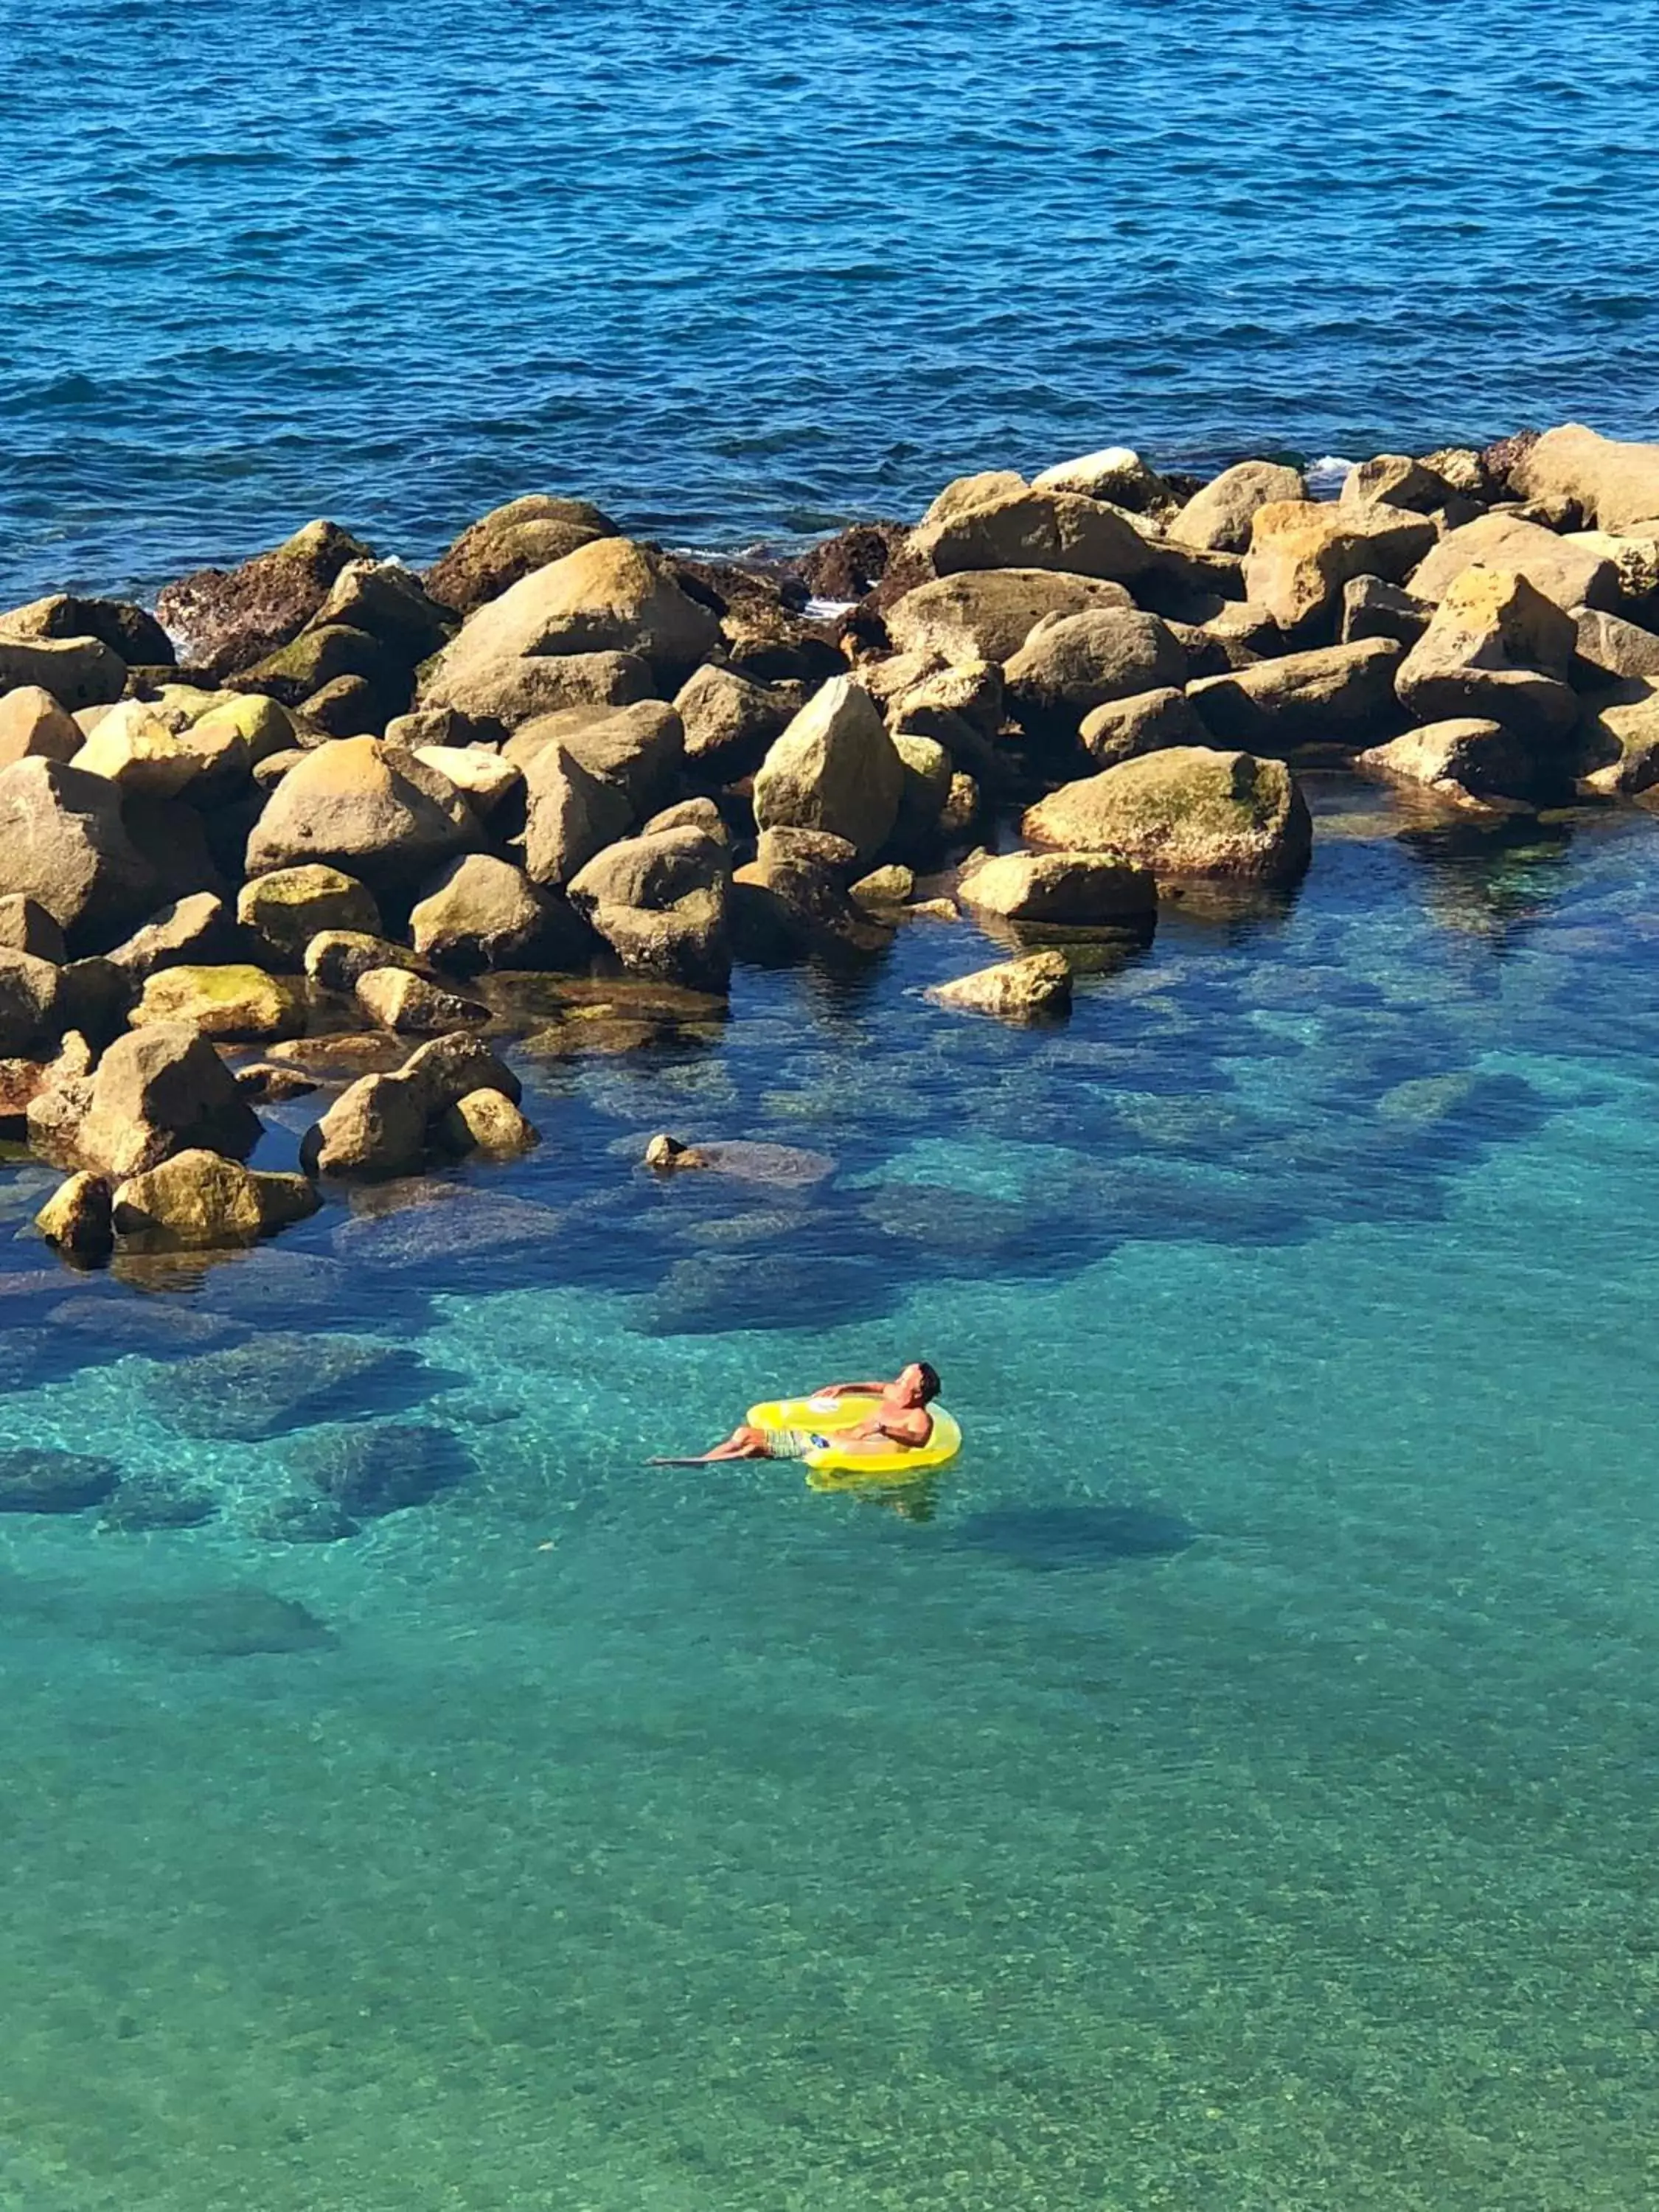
1230	1787
743	270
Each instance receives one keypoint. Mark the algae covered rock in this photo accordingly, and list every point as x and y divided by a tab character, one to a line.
282	1380
232	618
1032	988
370	810
197	1201
288	906
231	1002
1187	810
834	768
370	1468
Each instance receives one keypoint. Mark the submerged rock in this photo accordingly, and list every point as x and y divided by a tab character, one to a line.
1062	1539
36	1480
281	1380
377	1468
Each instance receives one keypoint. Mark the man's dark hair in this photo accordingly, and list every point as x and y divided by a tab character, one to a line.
929	1381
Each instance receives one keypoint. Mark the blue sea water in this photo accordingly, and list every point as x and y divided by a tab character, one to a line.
1230	1787
745	271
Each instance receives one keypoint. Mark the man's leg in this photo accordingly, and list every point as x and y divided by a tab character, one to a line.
743	1443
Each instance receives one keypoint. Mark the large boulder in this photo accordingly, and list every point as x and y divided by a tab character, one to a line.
988	615
156	1092
793	899
640	749
30	992
1498	649
570	814
510	542
1303	551
384	1123
834	769
1114	473
126	629
376	1126
26	927
1612	651
999	522
608	596
335	958
660	903
511	689
76	671
1613	483
64	842
385	601
287	908
729	720
198	1202
232	1002
1217	518
412	1004
34	727
1401	480
489	1122
1464	760
1334	691
1035	987
1618	745
231	618
484	913
1187	810
1570	576
1072	663
1084	889
1142	724
197	929
373	811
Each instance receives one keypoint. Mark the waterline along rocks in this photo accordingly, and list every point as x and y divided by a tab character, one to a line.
324	808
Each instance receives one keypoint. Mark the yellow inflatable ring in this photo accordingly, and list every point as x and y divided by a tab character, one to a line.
824	1416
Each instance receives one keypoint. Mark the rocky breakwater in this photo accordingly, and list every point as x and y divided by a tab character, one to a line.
313	852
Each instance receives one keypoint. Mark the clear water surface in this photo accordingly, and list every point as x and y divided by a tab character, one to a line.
1230	1787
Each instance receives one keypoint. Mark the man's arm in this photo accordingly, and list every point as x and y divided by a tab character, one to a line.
849	1390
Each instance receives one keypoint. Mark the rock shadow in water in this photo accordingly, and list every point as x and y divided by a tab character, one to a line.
1065	1539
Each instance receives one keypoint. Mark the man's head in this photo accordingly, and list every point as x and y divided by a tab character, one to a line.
919	1383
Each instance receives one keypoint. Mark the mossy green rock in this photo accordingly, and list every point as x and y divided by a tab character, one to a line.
1187	810
289	906
236	1000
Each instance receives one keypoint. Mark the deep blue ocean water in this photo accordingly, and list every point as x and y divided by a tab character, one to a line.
745	272
1230	1787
